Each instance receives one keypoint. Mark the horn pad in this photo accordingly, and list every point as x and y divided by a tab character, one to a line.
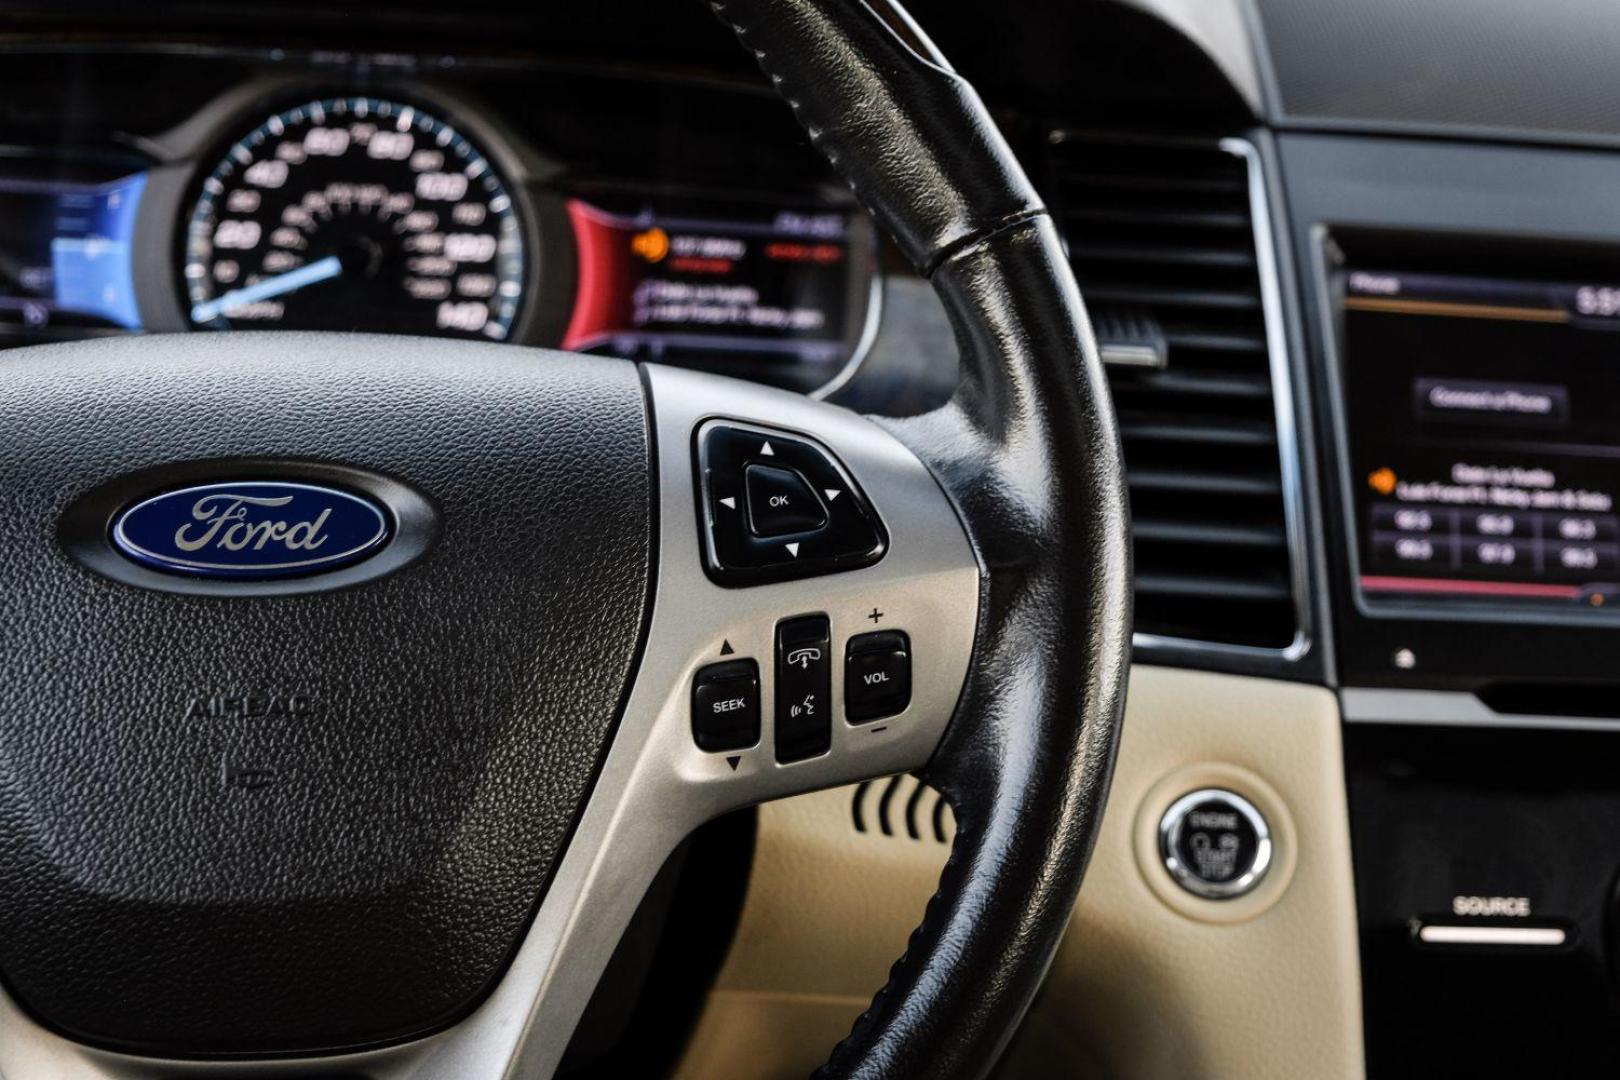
258	821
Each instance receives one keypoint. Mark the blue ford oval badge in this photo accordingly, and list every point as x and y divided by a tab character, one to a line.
251	529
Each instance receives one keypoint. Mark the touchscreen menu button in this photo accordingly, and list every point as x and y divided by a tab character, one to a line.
1583	557
1485	553
1581	528
1498	524
1389	517
1419	550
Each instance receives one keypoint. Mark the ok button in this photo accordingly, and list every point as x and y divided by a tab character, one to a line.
780	502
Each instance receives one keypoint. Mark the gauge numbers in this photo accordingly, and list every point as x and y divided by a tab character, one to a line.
355	213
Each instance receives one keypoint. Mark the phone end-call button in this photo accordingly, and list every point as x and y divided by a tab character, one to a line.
803	688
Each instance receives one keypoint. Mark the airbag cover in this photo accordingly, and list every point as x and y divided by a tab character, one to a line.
265	823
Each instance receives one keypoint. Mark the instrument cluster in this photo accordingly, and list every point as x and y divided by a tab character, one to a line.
415	206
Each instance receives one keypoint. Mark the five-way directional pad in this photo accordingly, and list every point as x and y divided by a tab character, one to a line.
779	507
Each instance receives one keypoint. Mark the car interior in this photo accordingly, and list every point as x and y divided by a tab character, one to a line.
768	538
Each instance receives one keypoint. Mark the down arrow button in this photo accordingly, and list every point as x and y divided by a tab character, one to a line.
780	502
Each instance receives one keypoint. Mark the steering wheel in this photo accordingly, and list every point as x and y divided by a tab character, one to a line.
356	687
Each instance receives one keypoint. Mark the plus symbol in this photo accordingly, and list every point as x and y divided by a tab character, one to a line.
875	616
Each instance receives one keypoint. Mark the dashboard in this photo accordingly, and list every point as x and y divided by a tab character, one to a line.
361	194
1354	271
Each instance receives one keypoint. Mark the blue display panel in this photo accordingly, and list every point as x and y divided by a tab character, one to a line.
65	252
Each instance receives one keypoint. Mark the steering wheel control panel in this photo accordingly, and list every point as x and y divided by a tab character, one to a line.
877	685
777	508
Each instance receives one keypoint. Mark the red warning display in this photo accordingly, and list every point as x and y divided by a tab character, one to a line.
767	283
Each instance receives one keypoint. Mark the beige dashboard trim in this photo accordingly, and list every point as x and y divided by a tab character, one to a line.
1142	987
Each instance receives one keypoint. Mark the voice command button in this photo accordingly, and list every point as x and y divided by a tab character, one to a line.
803	688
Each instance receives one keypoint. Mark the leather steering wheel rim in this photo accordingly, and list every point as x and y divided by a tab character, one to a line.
1028	451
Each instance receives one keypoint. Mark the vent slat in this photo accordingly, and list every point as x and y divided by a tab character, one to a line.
1166	531
1215	342
1190	298
1134	182
1194	384
1161	583
1164	256
1193	431
1161	241
1153	216
1193	481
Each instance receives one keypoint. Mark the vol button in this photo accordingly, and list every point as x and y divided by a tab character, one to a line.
780	502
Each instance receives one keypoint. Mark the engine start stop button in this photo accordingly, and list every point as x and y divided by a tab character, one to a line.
1215	844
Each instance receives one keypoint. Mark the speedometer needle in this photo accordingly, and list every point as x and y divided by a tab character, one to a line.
322	270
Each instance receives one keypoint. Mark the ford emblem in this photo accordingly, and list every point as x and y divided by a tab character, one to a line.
252	529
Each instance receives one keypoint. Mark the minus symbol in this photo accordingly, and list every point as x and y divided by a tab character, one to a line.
875	730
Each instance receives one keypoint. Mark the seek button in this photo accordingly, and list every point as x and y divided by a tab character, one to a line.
725	706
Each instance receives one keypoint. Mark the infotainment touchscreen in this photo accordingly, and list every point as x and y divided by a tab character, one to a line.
1483	425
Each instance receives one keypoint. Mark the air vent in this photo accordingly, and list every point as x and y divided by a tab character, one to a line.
902	806
1162	239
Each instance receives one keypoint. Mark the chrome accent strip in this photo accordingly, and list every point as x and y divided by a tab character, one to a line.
1452	708
1282	395
656	786
1519	937
869	333
1132	356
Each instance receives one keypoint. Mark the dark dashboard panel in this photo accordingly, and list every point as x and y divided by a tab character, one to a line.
1462	364
1543	71
1112	63
1481	208
1485	887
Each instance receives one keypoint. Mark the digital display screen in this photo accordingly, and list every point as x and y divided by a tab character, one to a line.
65	252
739	286
1483	421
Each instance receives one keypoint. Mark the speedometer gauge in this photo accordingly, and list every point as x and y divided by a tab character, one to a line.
355	214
